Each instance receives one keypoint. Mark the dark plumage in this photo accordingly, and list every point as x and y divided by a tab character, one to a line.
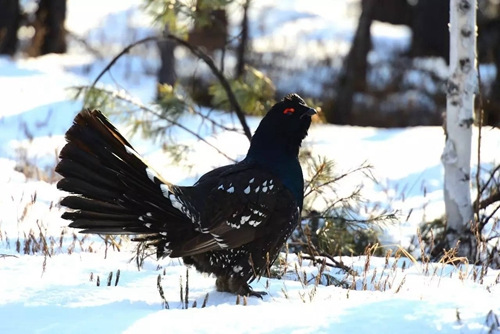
232	222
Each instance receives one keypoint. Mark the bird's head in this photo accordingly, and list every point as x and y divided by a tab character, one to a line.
285	124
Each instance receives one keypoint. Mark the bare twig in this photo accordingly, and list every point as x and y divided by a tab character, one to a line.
7	255
84	42
334	264
118	56
487	219
489	200
480	126
491	178
214	123
333	180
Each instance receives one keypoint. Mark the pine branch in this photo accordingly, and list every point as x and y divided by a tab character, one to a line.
157	114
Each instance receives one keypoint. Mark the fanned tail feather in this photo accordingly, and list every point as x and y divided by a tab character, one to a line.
114	190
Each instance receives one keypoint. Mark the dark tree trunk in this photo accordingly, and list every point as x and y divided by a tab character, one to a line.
492	103
50	34
166	73
392	11
430	29
353	76
242	47
10	18
488	44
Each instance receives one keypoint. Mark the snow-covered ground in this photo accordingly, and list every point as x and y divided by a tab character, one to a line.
59	294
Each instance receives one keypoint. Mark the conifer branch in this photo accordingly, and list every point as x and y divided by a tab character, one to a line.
157	114
201	55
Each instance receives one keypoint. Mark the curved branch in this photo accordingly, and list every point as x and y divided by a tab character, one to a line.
124	51
218	74
201	55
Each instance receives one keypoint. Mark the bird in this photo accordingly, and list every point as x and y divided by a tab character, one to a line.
232	222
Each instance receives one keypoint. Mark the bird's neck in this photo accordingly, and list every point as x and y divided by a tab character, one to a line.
276	156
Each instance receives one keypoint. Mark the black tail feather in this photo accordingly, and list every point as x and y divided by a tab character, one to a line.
79	186
82	203
91	215
114	190
71	168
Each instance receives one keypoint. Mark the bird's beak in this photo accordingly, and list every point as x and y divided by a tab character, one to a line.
310	112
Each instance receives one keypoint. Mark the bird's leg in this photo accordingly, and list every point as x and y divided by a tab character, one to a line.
237	286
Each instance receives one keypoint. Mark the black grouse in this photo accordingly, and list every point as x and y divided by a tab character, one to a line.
231	223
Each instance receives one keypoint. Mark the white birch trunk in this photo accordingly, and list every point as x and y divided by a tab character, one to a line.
456	156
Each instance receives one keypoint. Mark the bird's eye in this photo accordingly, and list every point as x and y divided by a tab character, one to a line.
288	111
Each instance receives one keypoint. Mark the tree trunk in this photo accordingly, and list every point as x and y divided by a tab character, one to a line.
456	156
353	76
393	11
242	47
489	49
430	31
166	73
9	24
50	34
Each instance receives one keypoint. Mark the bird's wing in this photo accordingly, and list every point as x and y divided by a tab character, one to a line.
236	209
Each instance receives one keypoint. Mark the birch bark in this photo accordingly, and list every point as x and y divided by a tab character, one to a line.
456	156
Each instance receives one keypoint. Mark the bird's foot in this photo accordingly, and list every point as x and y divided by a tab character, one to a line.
237	286
259	294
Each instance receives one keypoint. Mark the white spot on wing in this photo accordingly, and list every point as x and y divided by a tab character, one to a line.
230	190
254	223
164	190
130	150
175	202
151	174
221	187
247	190
259	213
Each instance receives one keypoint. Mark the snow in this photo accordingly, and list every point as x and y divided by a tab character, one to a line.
59	294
